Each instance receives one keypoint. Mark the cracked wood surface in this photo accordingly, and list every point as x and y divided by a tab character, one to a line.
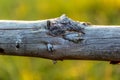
34	39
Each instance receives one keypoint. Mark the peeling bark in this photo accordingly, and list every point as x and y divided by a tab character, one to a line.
60	39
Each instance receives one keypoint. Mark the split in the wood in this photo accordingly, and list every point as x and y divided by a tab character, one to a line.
18	42
66	28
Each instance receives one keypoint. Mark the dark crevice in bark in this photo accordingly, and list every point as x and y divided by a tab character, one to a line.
17	45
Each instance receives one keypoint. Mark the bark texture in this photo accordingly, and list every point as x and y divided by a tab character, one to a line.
60	39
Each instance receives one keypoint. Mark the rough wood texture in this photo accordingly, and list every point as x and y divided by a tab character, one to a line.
59	39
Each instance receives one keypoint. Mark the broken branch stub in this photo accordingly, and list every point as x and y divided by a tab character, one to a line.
66	28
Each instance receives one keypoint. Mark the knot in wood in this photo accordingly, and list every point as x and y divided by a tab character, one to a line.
63	24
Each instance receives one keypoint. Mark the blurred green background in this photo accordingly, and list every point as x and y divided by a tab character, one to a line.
104	12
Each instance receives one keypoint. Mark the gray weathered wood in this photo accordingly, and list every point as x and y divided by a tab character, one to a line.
30	38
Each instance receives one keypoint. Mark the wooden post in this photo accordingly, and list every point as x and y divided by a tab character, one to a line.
60	39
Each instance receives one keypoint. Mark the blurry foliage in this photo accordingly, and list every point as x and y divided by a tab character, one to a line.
95	11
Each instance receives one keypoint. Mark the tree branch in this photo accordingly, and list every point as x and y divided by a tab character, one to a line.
60	39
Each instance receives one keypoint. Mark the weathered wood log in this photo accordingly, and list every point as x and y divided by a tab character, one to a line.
60	39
